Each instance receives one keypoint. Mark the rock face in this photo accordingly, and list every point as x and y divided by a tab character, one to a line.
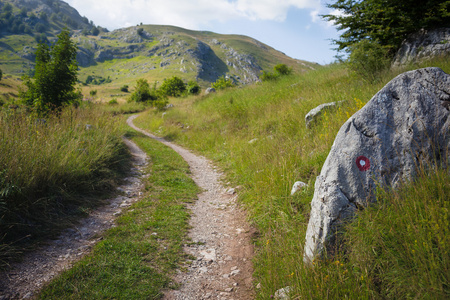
422	45
404	125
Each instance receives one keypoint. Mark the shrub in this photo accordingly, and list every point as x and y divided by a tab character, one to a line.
193	88
142	92
368	59
174	87
113	102
282	69
222	83
124	88
267	76
279	70
93	93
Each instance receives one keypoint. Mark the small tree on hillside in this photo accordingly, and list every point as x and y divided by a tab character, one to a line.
53	84
222	83
174	87
142	92
282	69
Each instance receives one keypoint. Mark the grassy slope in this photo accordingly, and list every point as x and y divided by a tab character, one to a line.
282	151
52	170
136	259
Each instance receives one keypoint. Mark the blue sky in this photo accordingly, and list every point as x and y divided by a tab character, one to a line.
291	26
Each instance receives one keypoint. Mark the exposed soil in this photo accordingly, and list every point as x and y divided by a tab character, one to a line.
221	239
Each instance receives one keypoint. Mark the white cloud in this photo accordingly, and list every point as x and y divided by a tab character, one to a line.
191	14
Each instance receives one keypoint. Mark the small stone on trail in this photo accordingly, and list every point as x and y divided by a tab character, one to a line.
231	191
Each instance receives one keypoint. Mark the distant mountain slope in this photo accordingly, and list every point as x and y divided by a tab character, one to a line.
161	51
147	51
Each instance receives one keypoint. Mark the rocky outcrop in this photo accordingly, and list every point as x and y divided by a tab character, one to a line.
405	125
422	45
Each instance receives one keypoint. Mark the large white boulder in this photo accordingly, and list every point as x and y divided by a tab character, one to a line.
404	125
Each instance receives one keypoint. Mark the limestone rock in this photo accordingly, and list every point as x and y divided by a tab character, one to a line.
423	45
210	90
283	294
404	125
298	185
314	113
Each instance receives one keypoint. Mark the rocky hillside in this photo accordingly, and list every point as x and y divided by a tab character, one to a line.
124	55
158	52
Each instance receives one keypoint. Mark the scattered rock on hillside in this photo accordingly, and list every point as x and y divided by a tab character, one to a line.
314	113
422	45
404	125
297	187
210	90
283	294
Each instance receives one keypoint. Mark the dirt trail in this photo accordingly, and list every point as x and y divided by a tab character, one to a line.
221	239
220	234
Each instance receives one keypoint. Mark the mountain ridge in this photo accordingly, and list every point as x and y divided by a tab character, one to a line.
153	52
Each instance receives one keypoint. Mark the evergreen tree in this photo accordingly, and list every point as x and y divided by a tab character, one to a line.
386	22
55	75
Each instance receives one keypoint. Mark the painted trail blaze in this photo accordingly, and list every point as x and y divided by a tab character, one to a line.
363	163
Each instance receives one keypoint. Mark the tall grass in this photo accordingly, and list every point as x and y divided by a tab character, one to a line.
51	167
258	135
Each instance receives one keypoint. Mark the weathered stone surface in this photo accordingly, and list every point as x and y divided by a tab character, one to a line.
403	125
422	45
210	90
314	113
298	185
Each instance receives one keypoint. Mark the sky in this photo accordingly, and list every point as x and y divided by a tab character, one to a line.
290	26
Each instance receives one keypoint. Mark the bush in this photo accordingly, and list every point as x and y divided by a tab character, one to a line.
279	70
93	93
222	83
368	59
142	92
174	87
282	69
124	88
113	102
193	88
268	76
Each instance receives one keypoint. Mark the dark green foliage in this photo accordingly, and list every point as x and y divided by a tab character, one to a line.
268	76
193	88
222	83
140	31
39	27
124	88
95	31
278	70
282	69
97	80
368	59
1	74
55	76
93	93
174	87
386	22
142	92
